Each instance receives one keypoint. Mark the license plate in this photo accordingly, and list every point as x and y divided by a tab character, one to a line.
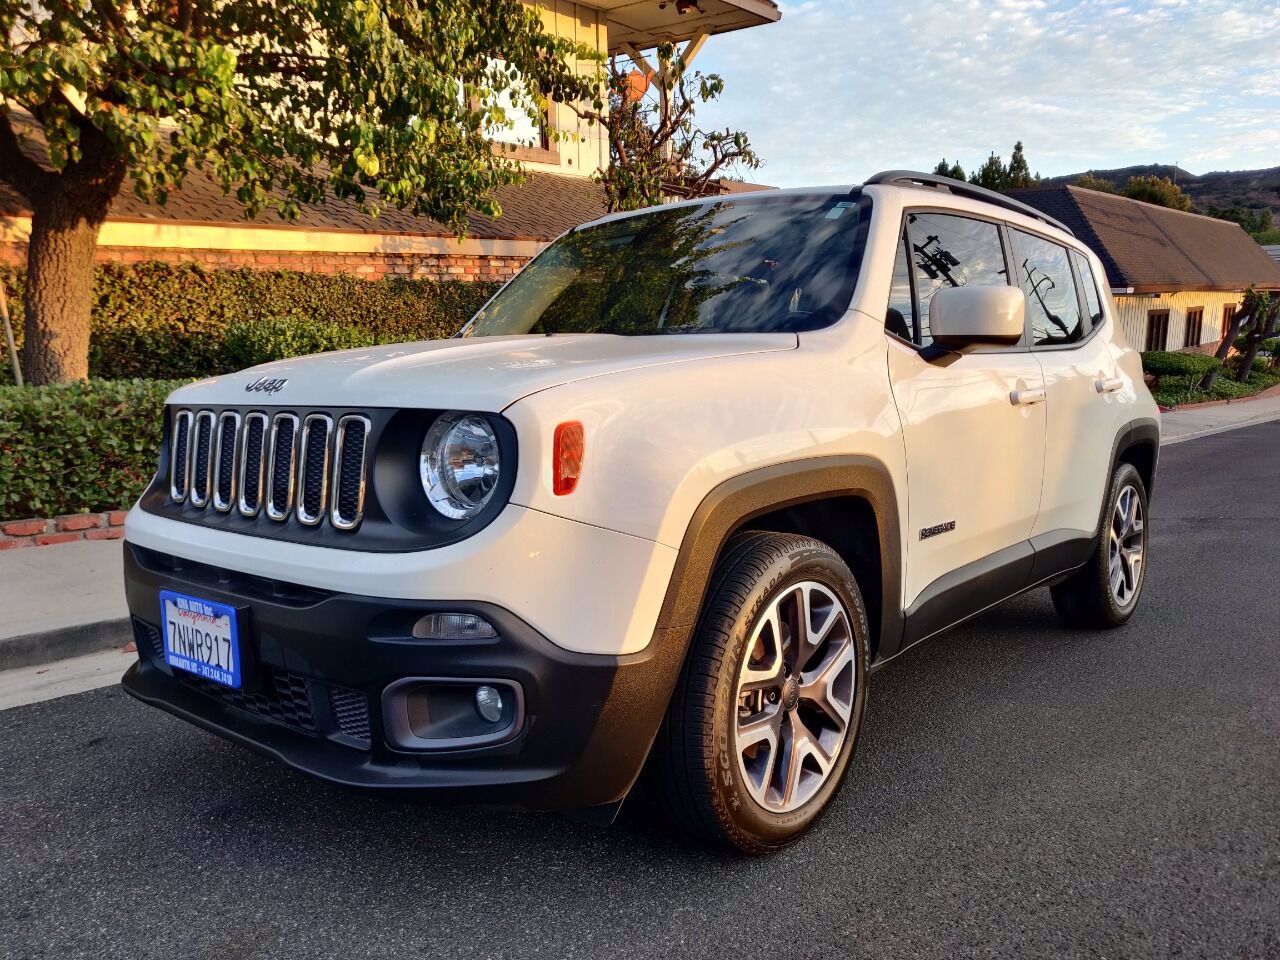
200	637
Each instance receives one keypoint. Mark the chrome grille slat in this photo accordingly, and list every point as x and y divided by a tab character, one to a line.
348	485
313	468
201	458
179	462
253	449
224	469
280	469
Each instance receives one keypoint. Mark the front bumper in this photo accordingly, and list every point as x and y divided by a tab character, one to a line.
318	661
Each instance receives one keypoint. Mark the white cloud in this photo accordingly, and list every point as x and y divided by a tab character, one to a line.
841	88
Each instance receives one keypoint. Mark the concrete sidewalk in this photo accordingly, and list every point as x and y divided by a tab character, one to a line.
1179	425
68	600
61	601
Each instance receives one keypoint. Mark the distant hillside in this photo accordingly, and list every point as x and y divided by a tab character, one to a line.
1225	188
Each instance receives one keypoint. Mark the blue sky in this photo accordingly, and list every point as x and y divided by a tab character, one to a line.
841	88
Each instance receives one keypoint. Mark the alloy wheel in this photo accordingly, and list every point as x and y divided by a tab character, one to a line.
795	696
1126	547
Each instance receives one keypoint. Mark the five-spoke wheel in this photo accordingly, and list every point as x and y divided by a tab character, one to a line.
764	720
1126	546
795	694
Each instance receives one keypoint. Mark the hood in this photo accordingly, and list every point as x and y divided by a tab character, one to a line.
485	373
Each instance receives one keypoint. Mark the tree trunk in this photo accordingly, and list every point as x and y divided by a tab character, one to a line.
1224	348
1262	330
59	291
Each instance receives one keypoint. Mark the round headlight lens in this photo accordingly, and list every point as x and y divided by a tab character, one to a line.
459	464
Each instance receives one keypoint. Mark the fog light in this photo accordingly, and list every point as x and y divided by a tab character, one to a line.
489	704
453	626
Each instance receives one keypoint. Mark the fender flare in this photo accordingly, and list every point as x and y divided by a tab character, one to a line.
740	499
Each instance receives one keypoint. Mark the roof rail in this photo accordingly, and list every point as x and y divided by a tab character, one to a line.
962	189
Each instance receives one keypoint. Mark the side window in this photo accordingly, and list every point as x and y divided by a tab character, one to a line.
952	251
1053	306
1092	299
899	318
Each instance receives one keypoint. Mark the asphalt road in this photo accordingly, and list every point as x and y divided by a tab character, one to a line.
1021	791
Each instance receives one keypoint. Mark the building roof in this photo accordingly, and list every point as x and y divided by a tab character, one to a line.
647	23
541	208
1154	249
1273	251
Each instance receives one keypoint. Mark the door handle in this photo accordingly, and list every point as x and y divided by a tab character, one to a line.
1028	396
1108	386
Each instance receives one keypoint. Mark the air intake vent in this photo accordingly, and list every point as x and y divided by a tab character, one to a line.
284	447
201	452
252	457
179	463
313	477
224	470
349	472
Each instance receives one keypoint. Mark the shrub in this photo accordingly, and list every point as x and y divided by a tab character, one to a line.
1161	363
78	446
164	321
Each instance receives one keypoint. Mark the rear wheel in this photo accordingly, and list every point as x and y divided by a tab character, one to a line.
764	720
1105	591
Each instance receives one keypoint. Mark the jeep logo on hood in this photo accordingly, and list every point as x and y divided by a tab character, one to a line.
266	385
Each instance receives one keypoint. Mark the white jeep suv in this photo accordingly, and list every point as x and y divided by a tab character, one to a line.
664	504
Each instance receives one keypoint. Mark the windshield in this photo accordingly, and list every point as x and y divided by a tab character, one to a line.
759	264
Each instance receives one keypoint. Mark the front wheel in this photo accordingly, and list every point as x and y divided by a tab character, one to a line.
764	720
1105	591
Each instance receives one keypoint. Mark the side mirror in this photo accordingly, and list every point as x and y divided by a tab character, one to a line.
968	316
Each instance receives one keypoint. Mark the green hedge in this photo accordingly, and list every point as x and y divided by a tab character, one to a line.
1160	363
165	321
78	446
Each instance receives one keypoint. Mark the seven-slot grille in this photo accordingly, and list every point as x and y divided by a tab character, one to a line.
273	464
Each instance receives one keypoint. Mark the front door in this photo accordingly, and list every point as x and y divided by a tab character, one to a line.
974	429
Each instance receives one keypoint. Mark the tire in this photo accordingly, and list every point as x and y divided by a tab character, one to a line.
718	773
1089	598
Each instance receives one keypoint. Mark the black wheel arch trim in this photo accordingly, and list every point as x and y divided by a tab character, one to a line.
740	499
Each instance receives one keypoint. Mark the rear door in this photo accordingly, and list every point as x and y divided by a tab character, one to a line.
1064	315
973	424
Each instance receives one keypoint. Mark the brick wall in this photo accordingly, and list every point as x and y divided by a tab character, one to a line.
68	529
370	265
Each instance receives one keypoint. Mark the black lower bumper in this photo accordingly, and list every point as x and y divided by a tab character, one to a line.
316	664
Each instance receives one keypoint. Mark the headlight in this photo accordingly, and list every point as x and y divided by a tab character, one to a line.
459	464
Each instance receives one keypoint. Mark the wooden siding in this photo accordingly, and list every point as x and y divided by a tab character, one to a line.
587	151
1131	313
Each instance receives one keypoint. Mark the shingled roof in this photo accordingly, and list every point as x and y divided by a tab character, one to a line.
542	208
1154	249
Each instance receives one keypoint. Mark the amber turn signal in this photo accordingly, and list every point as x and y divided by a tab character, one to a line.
566	457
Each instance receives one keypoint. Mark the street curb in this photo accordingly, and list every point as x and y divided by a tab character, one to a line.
47	646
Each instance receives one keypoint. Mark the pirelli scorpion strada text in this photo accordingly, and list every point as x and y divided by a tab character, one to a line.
660	509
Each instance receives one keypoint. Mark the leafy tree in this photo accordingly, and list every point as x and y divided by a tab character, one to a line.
1254	305
995	174
1090	182
1262	326
1017	175
992	174
1255	222
656	148
952	170
281	101
1158	190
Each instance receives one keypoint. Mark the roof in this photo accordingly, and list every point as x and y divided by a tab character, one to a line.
647	23
1154	249
1273	251
542	208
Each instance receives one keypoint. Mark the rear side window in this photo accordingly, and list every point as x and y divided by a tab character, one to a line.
952	251
1044	273
1089	284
